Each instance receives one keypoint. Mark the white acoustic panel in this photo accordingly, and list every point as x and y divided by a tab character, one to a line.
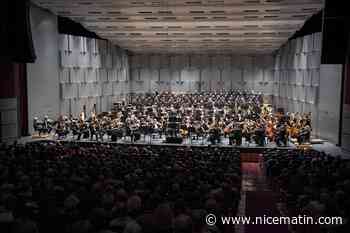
63	43
84	90
107	89
315	77
311	94
258	75
248	75
296	61
237	75
165	75
284	60
226	85
135	75
284	77
96	89
77	75
303	61
307	74
84	60
277	62
292	77
317	41
112	75
216	85
77	51
65	107
226	76
91	75
121	87
268	75
299	45
175	75
314	60
122	75
102	75
117	62
190	75
145	74
67	59
64	75
301	93
268	88
299	79
277	75
289	92
105	103
95	61
140	86
276	87
294	92
206	75
93	46
282	91
108	60
307	43
69	90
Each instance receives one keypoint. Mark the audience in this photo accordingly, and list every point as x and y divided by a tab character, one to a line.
83	188
312	183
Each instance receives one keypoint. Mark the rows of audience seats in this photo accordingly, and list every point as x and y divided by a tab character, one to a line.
311	183
48	187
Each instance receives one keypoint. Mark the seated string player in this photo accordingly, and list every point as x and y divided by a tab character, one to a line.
236	135
282	136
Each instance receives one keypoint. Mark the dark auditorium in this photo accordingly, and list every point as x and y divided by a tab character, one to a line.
174	116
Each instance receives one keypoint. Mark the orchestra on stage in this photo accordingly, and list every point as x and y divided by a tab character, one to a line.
206	116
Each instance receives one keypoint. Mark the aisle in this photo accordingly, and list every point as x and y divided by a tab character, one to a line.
259	199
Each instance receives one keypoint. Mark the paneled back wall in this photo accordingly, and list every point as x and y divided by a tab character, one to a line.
92	72
200	72
297	76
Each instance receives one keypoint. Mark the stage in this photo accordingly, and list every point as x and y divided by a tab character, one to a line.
326	147
149	140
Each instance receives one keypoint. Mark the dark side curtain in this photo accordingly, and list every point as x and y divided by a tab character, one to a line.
16	44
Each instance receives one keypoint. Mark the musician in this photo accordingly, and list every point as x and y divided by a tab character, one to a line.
247	131
281	135
304	135
61	129
235	136
199	113
260	135
214	134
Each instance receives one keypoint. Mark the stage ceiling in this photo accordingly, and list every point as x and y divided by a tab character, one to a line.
190	26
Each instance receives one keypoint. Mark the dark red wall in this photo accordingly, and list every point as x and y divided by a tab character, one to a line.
13	84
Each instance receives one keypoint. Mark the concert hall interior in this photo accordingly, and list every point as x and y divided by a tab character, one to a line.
170	115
